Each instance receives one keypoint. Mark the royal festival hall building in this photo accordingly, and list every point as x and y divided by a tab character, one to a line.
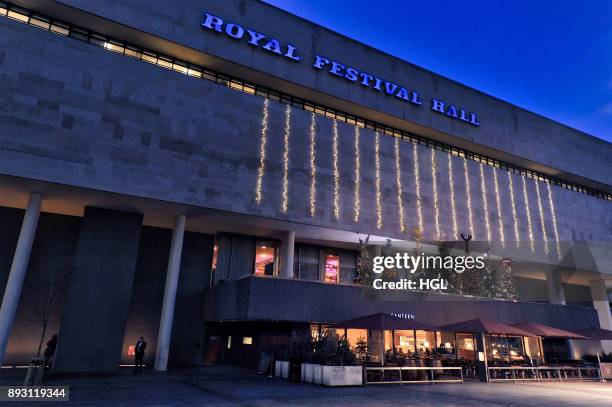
200	172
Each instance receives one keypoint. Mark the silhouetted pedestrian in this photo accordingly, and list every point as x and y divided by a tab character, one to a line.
50	350
139	352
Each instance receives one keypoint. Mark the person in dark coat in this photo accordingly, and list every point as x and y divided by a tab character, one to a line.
50	349
139	352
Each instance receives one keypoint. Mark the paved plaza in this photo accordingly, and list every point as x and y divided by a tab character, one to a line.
229	386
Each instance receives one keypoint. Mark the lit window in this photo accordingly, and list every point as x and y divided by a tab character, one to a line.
265	258
229	342
332	267
214	259
247	340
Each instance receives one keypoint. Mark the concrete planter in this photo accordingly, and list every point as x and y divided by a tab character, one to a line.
307	370
317	374
341	375
281	369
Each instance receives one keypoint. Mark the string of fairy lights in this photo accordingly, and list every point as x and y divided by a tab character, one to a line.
545	204
313	165
357	191
434	185
500	219
262	152
336	172
287	133
517	235
377	186
541	213
398	183
451	183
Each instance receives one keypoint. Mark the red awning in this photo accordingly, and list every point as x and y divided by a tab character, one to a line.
481	326
384	322
546	331
596	334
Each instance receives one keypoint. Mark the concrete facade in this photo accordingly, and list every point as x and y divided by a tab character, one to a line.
123	147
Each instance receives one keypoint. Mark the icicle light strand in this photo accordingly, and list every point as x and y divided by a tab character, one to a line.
529	225
398	181
313	166
286	158
417	183
554	219
262	153
336	173
517	236
500	219
357	196
451	182
434	182
541	212
485	206
379	220
468	197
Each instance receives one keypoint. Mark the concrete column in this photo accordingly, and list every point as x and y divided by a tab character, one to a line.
172	276
601	302
554	285
286	258
18	271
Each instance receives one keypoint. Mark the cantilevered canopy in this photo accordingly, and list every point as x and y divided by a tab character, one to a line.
597	334
384	322
546	331
481	326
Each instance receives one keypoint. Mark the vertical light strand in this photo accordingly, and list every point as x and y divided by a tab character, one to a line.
541	212
468	197
417	183
336	173
529	225
500	219
379	220
517	235
551	204
451	182
434	182
262	153
485	206
398	182
285	204
357	196
313	166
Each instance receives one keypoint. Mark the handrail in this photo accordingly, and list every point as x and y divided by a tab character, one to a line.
559	373
430	378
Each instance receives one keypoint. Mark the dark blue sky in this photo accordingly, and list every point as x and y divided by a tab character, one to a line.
551	57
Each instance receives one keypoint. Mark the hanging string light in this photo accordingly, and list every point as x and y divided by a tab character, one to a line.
517	236
500	220
357	197
451	182
529	225
285	172
554	219
541	212
468	197
313	167
398	182
336	173
434	182
417	183
485	206
262	153
379	220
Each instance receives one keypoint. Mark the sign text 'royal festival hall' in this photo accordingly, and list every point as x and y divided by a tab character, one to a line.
348	73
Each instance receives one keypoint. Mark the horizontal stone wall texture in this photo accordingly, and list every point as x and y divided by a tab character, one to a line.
79	115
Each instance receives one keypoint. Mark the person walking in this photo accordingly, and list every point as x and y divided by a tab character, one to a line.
139	352
50	350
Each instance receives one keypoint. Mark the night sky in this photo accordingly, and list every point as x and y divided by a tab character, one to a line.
553	58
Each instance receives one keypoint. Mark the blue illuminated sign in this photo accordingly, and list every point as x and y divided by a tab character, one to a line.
335	68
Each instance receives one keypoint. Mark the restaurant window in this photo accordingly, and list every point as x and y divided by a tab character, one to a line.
466	346
516	351
404	343
426	342
314	331
356	335
332	266
265	258
247	340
